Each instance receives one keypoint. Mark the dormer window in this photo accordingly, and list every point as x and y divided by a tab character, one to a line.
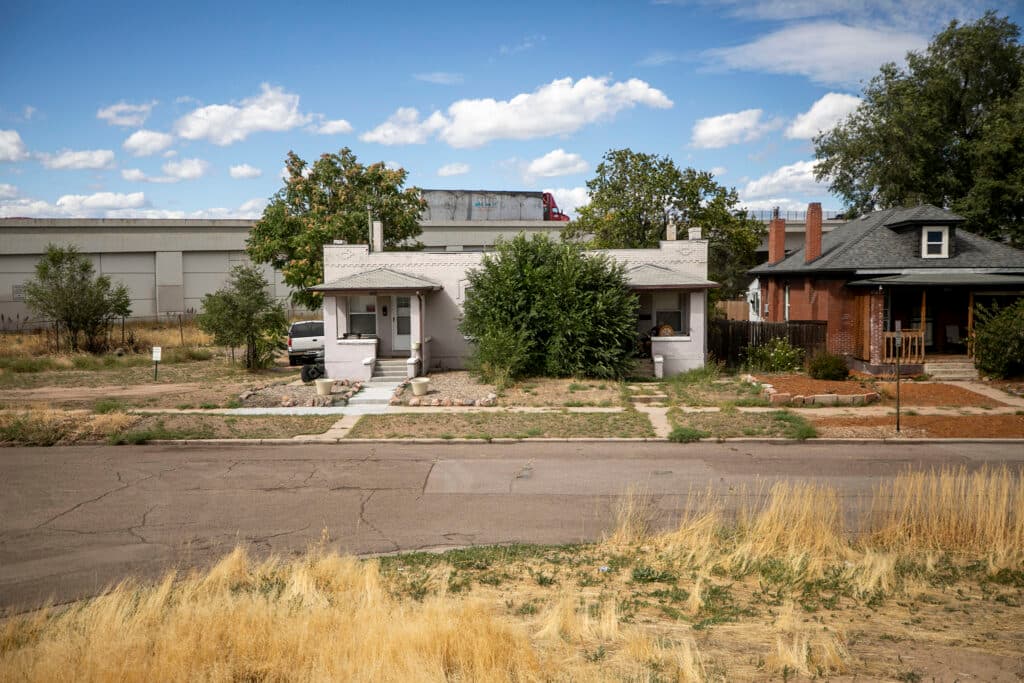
935	242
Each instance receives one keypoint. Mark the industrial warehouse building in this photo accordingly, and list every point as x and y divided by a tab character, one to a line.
169	264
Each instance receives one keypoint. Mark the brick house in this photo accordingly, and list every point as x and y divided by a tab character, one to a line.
914	266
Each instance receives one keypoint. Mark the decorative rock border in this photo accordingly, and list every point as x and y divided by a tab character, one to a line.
301	396
488	401
778	398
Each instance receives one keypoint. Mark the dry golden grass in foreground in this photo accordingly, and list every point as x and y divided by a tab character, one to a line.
933	588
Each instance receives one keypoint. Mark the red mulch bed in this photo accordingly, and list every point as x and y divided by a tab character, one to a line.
802	385
935	426
934	394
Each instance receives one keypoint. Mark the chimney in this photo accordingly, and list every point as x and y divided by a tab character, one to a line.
670	230
377	237
695	233
776	238
812	244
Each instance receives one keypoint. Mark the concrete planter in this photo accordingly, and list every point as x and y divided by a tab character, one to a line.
324	386
420	385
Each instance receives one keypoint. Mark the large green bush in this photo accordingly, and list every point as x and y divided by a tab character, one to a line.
999	340
540	307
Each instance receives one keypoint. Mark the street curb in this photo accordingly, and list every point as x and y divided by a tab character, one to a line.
432	441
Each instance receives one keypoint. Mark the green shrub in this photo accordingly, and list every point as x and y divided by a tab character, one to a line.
777	355
108	405
686	435
25	365
537	307
828	366
999	340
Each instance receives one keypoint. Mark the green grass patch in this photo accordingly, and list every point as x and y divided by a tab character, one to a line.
686	435
108	405
503	425
731	423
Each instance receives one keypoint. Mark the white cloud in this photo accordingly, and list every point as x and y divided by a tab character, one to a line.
222	124
244	171
453	169
555	163
174	171
440	78
730	129
570	198
169	153
11	146
661	58
88	205
527	43
28	208
826	52
143	143
557	108
8	191
719	171
124	114
186	169
28	112
69	159
405	128
823	115
252	208
335	127
797	178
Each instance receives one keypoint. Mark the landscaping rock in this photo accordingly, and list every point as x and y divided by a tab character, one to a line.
414	402
777	399
824	399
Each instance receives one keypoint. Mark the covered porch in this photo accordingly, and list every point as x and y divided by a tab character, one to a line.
935	313
671	325
376	314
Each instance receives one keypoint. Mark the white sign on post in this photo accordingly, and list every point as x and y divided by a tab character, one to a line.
157	350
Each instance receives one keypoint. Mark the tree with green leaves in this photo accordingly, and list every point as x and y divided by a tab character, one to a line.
332	199
946	129
542	307
244	313
633	196
83	305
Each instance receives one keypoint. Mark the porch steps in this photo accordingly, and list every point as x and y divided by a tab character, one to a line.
374	394
388	370
951	371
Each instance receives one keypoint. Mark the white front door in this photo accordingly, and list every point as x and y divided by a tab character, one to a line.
401	326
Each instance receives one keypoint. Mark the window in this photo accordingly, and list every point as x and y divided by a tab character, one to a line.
672	309
935	242
362	315
785	304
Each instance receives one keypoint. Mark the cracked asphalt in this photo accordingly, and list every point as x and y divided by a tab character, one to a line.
76	520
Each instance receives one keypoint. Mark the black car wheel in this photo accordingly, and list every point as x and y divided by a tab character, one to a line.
312	372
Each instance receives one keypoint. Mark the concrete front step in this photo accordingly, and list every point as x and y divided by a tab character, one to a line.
953	370
648	398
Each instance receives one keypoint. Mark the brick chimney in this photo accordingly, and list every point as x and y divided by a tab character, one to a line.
776	238
812	244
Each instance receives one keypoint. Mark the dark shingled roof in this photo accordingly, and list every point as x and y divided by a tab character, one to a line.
882	240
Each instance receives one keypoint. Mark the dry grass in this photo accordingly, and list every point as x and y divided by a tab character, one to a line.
36	343
47	427
502	424
782	591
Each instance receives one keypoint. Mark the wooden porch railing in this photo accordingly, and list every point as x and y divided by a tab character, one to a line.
910	348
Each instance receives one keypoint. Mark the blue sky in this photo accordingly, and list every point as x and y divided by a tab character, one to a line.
188	109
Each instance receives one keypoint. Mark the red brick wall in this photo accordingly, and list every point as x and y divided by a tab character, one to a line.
811	299
776	240
812	233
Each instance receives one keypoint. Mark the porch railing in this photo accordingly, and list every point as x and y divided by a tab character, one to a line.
910	348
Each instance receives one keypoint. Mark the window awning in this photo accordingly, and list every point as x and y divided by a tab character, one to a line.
379	280
649	276
943	278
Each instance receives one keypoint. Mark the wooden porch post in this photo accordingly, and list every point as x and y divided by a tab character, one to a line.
970	324
924	297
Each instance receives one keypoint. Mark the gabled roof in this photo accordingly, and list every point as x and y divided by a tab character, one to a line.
874	243
378	279
650	276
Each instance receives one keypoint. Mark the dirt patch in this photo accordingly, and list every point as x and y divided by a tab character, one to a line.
922	426
547	391
502	425
934	394
802	385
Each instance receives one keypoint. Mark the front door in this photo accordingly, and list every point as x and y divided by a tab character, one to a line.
402	323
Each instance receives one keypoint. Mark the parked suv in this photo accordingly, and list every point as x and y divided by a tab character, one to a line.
305	339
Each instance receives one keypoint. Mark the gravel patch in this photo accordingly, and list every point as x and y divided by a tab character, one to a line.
294	394
455	388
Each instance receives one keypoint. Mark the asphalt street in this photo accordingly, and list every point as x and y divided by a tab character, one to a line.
75	520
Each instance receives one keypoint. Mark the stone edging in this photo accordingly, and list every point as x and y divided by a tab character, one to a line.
778	398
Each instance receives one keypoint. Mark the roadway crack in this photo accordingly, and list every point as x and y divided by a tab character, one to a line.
423	489
362	520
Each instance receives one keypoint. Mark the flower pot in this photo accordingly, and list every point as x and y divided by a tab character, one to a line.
420	385
324	386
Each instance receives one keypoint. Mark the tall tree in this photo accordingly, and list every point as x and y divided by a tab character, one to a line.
945	129
244	313
332	199
67	290
633	196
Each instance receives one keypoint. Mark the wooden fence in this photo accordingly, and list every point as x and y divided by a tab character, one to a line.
728	339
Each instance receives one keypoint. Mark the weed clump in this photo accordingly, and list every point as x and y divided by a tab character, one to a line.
828	366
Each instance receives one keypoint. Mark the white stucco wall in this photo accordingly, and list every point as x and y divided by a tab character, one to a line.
443	309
